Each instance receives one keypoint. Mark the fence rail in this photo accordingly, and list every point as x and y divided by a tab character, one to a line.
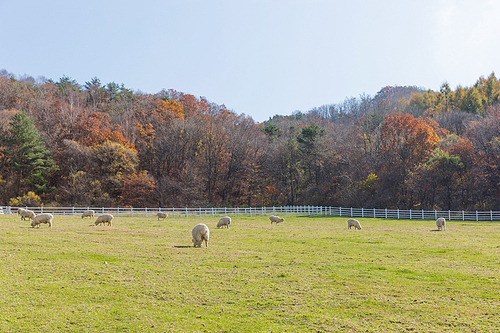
263	211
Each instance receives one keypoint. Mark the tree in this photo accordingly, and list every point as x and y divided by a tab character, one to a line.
443	170
405	145
310	146
25	156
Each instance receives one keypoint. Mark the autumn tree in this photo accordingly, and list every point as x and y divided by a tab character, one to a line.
138	190
405	145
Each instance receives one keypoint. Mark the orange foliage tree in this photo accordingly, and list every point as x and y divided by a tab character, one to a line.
138	190
95	129
405	145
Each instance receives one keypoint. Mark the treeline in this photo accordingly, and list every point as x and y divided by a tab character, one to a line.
105	145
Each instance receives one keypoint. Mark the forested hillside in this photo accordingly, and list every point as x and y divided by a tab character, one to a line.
104	145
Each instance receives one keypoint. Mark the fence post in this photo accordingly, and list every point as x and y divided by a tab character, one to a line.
173	211
477	217
398	213
435	214
449	215
351	211
131	211
463	216
410	214
491	215
146	211
118	211
362	212
386	213
186	212
374	213
73	211
423	214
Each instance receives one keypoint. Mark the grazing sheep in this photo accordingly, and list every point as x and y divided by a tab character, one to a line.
276	219
162	216
42	218
104	219
20	212
353	223
25	213
200	233
441	223
225	221
88	213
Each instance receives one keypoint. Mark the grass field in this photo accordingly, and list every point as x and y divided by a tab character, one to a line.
308	274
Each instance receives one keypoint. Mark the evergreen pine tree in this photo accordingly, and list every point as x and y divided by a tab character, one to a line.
25	155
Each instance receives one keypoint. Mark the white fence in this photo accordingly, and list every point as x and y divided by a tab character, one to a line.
262	211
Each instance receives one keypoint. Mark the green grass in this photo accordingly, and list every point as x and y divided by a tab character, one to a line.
306	274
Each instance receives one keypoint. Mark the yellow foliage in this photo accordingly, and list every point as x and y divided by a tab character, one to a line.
171	107
29	199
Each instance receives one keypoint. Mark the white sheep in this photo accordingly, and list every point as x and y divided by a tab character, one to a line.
20	212
42	218
353	223
276	219
88	213
161	216
200	233
25	213
225	221
104	219
441	223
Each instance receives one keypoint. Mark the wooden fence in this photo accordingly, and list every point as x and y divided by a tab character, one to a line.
266	211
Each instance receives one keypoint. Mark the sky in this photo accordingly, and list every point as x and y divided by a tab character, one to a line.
257	57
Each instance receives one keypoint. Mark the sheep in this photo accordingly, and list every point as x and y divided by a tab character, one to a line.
225	221
25	213
88	213
104	219
353	223
42	218
20	212
276	219
161	216
441	223
200	233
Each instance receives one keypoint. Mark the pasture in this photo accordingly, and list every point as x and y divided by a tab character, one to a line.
307	274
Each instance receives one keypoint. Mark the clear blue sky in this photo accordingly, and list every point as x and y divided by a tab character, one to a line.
258	57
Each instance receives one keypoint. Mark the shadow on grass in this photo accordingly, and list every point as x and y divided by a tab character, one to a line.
183	246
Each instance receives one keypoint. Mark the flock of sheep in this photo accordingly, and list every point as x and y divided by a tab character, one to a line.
200	232
37	220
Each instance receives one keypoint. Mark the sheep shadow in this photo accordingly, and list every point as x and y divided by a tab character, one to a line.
183	246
